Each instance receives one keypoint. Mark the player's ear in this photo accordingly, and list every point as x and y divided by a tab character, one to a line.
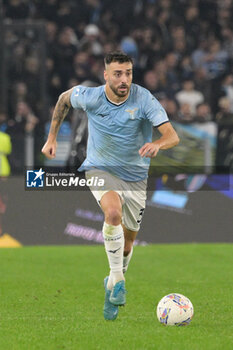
105	75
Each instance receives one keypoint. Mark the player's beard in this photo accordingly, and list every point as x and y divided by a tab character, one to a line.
118	92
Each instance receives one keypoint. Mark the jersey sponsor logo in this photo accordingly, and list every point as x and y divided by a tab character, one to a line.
131	112
102	115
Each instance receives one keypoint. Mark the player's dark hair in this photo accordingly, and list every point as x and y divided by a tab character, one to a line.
117	56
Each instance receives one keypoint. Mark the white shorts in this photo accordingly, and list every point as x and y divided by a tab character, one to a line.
132	194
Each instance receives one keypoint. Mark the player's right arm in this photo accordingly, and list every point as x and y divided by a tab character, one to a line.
60	111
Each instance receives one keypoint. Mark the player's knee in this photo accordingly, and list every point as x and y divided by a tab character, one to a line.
113	216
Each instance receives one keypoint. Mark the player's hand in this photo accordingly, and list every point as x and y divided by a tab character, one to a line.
149	150
49	149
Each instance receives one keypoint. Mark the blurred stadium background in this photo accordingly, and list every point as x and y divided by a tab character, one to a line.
183	53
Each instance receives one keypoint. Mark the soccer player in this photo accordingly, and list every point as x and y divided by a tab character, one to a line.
120	120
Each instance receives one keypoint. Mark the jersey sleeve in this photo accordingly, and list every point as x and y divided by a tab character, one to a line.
78	98
154	111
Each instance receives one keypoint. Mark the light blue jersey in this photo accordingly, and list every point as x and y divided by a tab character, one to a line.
117	132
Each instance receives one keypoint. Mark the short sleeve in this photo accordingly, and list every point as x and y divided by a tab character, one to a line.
78	97
154	111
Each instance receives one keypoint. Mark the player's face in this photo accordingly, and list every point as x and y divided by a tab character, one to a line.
119	77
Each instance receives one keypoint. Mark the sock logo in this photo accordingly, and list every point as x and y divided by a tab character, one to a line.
114	251
112	239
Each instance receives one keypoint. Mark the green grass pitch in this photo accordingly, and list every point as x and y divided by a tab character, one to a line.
52	298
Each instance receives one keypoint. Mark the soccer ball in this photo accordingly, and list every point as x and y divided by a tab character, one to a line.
175	310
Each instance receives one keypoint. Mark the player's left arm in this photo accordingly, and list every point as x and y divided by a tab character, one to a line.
168	139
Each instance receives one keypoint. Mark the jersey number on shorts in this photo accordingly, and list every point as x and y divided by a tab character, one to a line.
140	215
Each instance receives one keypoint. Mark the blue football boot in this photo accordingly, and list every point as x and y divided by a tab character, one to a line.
110	310
118	294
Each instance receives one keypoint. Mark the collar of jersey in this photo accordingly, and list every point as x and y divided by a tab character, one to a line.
116	104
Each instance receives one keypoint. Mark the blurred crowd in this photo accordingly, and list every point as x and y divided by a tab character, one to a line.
182	51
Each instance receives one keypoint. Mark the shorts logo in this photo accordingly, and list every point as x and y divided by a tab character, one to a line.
35	178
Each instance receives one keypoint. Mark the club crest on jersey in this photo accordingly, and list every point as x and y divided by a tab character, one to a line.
131	112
